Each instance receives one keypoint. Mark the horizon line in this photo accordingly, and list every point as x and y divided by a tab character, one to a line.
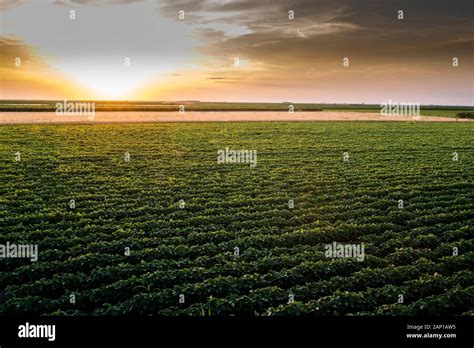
229	102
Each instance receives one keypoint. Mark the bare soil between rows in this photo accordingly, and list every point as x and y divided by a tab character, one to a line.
208	116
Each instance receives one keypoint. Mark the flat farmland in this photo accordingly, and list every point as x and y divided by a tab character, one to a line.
158	226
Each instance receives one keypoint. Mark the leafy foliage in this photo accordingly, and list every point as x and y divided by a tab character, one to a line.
190	251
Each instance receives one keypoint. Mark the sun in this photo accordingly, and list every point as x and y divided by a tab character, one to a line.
110	84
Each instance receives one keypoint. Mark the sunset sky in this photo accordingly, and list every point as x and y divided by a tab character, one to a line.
280	59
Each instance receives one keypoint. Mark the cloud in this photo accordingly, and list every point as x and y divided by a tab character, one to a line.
301	56
325	31
7	4
12	48
33	77
95	2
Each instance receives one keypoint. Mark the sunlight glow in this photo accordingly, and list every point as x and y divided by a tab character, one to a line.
93	47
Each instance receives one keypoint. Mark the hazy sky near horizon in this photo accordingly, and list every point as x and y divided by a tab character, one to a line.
189	49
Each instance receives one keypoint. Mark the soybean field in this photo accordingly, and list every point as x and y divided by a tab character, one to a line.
143	219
